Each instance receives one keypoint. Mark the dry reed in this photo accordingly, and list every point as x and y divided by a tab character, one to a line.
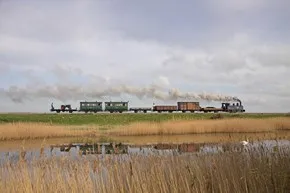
257	171
16	131
200	138
246	125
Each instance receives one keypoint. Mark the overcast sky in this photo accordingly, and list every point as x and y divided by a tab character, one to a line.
63	51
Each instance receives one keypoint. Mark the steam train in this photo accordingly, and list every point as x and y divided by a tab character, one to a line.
120	107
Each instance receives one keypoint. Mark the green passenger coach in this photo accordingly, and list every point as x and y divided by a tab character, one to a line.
116	106
91	106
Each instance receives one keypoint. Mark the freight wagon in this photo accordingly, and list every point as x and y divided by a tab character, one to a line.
188	106
63	108
142	109
162	108
211	109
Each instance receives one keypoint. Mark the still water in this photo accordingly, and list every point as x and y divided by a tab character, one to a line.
160	145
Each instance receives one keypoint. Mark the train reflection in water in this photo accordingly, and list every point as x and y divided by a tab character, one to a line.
123	148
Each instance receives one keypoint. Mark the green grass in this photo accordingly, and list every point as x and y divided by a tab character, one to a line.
120	119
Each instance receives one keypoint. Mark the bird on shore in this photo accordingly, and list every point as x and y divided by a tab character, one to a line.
245	142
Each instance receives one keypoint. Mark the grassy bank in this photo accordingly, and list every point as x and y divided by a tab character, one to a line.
15	131
246	125
20	130
254	171
120	119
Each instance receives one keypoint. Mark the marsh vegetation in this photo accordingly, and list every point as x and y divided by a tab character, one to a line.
234	125
260	169
20	130
255	170
40	130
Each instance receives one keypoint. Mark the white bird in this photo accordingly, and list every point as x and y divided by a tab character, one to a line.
245	142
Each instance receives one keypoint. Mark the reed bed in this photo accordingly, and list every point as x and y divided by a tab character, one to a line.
251	171
201	138
15	131
21	130
245	125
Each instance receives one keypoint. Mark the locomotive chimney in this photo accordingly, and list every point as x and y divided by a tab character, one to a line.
240	102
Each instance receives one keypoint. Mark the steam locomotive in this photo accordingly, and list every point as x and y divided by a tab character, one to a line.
120	107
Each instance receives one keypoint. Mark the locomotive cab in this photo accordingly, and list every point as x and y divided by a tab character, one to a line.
225	106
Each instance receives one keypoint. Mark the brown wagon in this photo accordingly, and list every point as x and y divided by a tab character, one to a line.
188	106
169	108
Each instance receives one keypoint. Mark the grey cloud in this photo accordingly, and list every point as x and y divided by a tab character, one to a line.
232	59
64	73
265	103
272	55
267	89
108	44
196	23
4	67
50	21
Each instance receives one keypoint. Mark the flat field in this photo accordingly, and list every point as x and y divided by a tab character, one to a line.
125	118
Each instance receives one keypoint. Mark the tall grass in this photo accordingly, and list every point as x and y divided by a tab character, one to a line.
253	171
200	138
204	126
13	131
20	130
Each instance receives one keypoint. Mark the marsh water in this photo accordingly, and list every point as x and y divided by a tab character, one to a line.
141	145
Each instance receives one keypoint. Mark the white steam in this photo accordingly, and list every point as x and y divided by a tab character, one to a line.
78	92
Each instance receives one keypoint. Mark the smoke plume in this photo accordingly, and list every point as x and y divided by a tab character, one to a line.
98	88
79	92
